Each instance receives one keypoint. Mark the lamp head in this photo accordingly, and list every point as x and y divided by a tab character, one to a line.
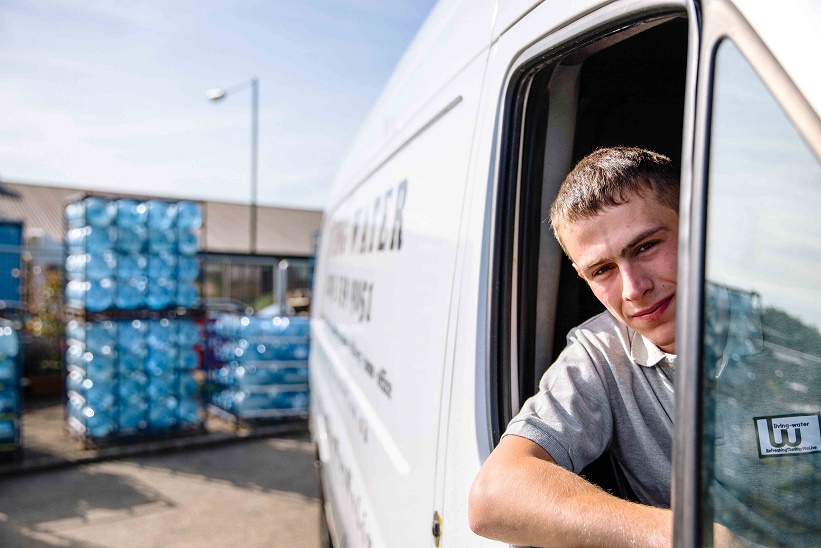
215	94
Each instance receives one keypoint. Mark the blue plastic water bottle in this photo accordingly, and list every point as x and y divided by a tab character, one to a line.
158	362
131	213
131	337
159	295
74	355
100	337
133	417
160	387
100	368
161	267
76	266
139	378
188	333
162	215
131	392
97	239
74	382
188	411
189	215
131	266
8	430
99	395
100	211
187	294
128	361
98	422
100	294
9	342
187	243
161	334
187	358
188	268
188	387
74	407
8	401
100	265
131	240
76	215
162	414
8	371
161	241
130	294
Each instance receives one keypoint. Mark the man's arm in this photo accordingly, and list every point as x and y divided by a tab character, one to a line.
521	497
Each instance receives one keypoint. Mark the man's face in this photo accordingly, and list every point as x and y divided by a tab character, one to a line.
628	256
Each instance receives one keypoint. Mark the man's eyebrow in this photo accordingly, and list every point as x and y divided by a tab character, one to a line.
638	239
630	245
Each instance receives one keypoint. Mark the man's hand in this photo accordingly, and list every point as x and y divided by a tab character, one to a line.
521	497
723	538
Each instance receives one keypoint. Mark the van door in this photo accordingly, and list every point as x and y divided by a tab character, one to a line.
558	85
749	436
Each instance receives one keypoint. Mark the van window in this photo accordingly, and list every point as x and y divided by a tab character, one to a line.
625	85
762	314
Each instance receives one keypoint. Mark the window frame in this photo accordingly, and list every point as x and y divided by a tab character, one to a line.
504	282
720	21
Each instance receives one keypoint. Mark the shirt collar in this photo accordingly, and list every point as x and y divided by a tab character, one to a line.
643	351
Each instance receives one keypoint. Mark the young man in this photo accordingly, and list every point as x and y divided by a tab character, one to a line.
611	389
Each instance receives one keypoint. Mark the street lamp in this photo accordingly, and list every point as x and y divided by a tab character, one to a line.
216	94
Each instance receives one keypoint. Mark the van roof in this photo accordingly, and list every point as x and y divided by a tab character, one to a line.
456	31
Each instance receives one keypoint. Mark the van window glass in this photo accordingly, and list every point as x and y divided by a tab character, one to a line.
762	313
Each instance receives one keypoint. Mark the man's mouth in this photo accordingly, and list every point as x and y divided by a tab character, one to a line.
654	312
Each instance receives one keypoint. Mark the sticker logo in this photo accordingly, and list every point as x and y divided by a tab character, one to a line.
782	435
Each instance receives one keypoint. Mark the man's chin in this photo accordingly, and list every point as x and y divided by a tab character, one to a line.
665	341
662	336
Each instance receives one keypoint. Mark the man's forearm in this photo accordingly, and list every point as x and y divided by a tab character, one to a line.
522	497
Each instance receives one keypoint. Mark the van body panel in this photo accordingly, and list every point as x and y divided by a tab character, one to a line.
384	276
455	33
554	13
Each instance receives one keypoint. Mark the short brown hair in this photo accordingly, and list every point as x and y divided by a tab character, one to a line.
608	177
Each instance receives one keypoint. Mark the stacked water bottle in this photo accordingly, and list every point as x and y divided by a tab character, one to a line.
10	400
132	345
132	376
260	366
127	254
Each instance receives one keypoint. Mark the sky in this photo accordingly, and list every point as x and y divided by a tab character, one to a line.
111	96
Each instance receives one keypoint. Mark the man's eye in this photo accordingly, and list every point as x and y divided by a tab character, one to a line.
646	246
602	270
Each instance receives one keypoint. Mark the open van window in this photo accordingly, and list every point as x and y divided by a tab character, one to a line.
622	86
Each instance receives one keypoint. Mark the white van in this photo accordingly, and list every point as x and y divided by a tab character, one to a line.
441	296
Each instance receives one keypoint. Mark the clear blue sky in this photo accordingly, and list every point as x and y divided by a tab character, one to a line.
110	95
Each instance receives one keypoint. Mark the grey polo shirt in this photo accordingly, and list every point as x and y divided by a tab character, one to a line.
610	388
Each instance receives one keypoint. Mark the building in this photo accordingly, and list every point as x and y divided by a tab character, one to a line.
278	272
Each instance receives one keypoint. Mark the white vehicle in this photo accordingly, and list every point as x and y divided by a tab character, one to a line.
441	297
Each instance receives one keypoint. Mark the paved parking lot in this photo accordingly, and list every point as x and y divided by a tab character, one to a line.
247	493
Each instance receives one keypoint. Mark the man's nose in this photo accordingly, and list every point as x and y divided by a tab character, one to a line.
635	283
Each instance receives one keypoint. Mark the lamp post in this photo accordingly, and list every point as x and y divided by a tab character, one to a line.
216	94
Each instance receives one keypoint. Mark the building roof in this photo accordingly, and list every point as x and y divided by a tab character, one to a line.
226	226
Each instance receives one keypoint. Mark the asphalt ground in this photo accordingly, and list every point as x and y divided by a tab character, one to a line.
227	485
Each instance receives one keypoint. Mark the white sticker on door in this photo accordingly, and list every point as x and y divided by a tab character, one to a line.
781	435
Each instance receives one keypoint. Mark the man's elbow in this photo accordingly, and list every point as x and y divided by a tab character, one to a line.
483	506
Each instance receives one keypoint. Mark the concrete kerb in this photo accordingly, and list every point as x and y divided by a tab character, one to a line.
152	447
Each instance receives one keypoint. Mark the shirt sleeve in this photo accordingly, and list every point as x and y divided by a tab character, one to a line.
570	416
